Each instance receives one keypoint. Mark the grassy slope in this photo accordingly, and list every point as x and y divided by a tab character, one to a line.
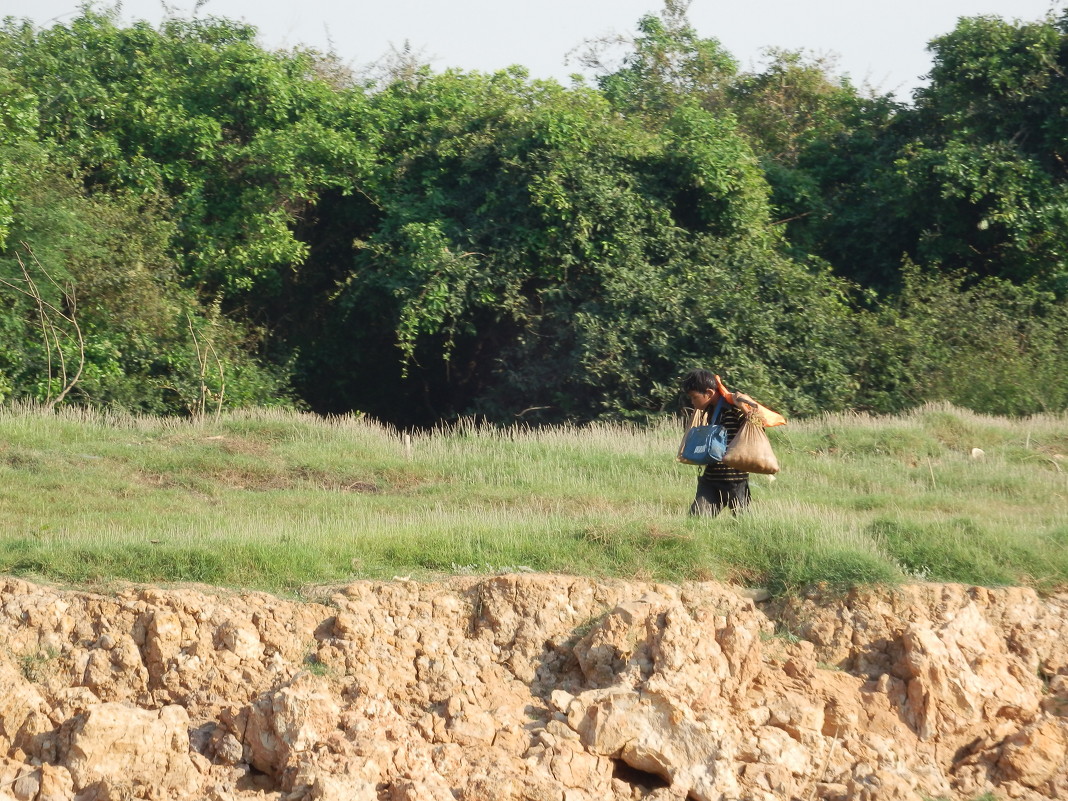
276	501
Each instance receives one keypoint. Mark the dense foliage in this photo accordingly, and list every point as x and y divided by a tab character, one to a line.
189	221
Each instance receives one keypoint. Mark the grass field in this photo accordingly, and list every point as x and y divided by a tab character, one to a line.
279	501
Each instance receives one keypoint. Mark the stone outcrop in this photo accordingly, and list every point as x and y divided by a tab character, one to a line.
531	688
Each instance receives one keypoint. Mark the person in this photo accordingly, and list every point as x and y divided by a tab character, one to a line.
718	486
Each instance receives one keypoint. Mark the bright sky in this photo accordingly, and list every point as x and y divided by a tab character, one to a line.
876	42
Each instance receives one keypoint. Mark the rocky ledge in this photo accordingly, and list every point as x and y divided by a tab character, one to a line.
532	688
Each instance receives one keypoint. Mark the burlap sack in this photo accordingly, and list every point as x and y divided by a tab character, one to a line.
750	450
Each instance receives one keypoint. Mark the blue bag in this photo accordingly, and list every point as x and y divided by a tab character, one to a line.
704	444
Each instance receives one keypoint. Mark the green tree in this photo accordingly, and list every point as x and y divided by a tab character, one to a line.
102	261
18	123
828	153
794	102
665	66
990	345
241	139
991	152
538	253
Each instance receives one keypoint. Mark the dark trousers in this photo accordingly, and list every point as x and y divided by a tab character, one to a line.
713	495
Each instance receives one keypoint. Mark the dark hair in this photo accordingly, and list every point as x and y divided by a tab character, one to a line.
698	381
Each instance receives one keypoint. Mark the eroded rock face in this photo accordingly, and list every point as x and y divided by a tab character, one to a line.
523	688
115	750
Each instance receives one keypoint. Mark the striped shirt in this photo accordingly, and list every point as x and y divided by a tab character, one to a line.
731	419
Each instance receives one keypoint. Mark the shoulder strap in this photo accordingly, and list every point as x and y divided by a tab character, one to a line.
716	411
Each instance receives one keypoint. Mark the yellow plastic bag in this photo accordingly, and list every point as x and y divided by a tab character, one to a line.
768	417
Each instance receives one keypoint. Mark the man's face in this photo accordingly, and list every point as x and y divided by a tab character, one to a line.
699	399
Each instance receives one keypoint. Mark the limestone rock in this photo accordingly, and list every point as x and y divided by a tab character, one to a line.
24	782
283	724
652	734
530	687
116	749
23	711
1036	754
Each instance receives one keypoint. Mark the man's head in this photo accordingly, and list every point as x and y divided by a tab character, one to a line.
700	387
698	381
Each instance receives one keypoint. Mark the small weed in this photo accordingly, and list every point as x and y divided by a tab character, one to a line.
782	633
35	667
315	666
585	627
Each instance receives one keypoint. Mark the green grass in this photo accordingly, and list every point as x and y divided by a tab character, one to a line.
278	500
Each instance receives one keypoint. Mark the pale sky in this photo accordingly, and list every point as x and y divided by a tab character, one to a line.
875	42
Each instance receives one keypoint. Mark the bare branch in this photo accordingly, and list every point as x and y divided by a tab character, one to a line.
53	334
72	302
201	403
222	381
